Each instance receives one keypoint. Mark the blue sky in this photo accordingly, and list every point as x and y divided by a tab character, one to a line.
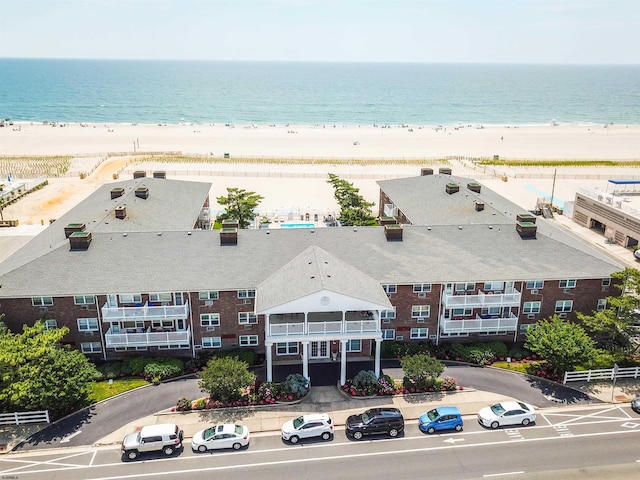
476	31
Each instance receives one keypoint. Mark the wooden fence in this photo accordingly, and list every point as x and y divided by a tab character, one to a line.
19	418
603	374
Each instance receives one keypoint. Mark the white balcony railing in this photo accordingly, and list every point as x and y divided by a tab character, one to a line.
323	328
117	338
478	324
145	312
510	298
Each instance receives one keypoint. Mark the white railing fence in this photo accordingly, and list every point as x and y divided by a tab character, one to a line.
602	374
18	418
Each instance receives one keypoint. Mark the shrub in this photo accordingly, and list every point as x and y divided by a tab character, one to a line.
449	384
183	404
199	404
296	385
268	391
365	378
161	368
385	385
245	355
395	349
136	364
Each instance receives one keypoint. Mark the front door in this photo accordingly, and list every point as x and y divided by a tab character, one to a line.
319	350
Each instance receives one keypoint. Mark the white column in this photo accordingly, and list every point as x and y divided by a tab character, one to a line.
343	362
305	359
267	350
377	364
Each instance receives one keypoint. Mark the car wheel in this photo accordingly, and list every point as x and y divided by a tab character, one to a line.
458	427
526	422
393	432
168	450
132	454
294	439
431	430
237	446
202	448
326	435
357	435
495	425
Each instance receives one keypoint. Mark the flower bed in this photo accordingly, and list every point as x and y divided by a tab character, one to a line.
386	386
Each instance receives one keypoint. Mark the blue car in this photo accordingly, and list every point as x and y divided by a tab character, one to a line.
441	418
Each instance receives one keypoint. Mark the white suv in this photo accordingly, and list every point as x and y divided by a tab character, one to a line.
308	426
165	437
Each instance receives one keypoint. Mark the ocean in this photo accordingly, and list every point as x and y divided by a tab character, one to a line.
298	93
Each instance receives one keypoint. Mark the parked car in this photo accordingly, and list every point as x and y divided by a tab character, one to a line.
507	413
308	426
441	418
375	421
226	435
164	437
635	404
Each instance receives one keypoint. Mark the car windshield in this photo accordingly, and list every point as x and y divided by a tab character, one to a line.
432	414
238	429
366	417
498	409
208	433
298	422
523	406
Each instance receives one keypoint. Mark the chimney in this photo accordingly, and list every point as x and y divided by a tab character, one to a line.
117	192
451	188
426	171
142	192
393	233
526	217
479	206
139	174
444	170
229	236
474	187
160	174
386	221
74	227
121	212
79	240
526	229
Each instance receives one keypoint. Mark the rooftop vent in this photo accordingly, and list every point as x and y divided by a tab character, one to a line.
121	212
142	192
526	229
80	240
117	192
139	174
393	232
444	170
479	206
73	227
160	174
474	187
451	188
228	236
426	171
230	223
387	221
526	217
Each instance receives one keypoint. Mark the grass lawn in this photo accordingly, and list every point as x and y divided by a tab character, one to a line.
101	390
516	366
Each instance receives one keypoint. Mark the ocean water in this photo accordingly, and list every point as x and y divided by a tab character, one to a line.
133	91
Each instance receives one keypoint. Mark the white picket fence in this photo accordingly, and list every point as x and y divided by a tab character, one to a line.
603	374
18	418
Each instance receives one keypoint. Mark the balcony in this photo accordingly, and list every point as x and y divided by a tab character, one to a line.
479	324
115	338
511	298
329	328
145	312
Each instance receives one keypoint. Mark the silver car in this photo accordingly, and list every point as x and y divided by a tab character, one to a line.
308	426
507	413
222	436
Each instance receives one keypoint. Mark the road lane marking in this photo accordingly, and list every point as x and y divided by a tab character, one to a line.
503	474
68	438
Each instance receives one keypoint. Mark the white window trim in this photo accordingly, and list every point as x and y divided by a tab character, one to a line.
44	301
602	304
532	308
534	284
89	325
420	311
209	319
211	342
130	298
84	300
390	288
161	297
421	287
388	314
568	283
290	348
247	318
350	345
606	282
50	324
91	349
417	333
248	340
493	286
563	306
390	336
208	295
246	293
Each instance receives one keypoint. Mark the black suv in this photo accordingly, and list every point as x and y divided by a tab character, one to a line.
375	421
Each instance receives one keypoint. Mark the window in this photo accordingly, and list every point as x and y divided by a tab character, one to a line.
208	295
388	289
564	306
531	307
248	340
493	286
287	348
461	312
388	334
131	298
50	324
419	333
602	304
246	294
388	314
465	287
246	318
421	287
162	324
209	319
534	284
160	297
568	283
419	311
606	282
526	326
91	347
211	342
490	311
354	345
87	324
84	299
41	301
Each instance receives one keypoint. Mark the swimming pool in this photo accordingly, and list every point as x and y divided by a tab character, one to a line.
297	225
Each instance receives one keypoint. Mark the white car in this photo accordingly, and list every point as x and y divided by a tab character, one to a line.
308	426
222	436
507	413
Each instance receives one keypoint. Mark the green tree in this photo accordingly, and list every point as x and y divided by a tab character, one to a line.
37	372
239	204
354	209
419	369
564	345
224	378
